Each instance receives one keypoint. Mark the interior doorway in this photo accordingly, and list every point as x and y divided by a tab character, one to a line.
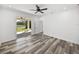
23	25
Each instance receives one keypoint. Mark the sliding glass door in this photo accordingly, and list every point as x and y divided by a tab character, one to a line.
23	25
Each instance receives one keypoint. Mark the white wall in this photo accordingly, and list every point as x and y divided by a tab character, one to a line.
63	25
7	25
8	22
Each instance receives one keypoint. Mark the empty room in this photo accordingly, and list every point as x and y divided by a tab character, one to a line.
39	29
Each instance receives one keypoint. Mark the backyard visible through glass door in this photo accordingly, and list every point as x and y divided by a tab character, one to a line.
23	25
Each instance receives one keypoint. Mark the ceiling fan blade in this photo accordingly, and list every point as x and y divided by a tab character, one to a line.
37	6
41	12
44	9
32	10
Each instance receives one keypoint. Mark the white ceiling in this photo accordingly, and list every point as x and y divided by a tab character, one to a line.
52	8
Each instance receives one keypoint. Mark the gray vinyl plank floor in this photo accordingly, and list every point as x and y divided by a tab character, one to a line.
38	44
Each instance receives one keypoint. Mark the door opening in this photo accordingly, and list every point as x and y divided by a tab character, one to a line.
23	25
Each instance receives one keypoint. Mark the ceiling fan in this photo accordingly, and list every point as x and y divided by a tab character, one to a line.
38	9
